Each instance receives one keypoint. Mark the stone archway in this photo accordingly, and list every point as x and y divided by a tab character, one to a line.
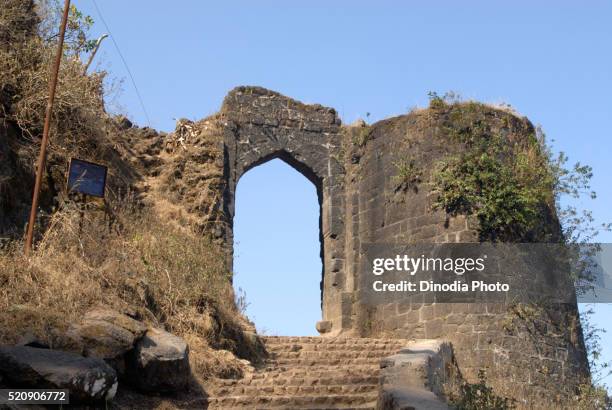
356	172
264	125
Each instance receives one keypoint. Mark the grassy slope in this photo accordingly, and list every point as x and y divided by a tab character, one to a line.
121	253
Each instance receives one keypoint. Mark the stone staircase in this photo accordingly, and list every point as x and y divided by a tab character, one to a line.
310	373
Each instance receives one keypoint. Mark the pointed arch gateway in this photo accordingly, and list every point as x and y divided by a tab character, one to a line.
362	206
264	125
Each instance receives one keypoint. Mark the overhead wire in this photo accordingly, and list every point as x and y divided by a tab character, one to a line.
127	68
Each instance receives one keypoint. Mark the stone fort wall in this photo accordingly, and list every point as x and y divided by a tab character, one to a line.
533	355
530	354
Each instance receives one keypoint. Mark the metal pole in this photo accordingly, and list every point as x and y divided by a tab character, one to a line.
93	53
45	138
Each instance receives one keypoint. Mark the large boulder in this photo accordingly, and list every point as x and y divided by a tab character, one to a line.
159	362
87	379
106	334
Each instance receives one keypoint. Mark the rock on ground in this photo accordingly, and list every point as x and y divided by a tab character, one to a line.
88	379
106	334
159	362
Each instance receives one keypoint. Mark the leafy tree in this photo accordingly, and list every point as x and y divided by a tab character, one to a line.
77	39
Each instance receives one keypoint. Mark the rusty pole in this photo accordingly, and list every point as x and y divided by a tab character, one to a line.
45	138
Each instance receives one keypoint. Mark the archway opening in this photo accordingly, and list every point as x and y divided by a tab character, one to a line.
277	249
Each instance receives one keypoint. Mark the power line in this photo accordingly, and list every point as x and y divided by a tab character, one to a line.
112	36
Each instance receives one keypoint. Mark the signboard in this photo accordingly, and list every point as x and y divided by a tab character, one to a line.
87	178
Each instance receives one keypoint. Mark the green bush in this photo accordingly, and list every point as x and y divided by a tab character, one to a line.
506	184
480	396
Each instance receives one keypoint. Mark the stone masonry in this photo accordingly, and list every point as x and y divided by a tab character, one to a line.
536	356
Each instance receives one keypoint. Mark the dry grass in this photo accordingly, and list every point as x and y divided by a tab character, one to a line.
17	21
25	61
128	260
80	126
117	254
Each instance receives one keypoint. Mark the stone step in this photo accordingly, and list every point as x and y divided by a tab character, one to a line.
309	373
295	390
332	401
275	371
324	362
344	341
338	354
305	347
271	368
303	379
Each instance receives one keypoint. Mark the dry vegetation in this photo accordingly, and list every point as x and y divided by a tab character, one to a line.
118	252
129	260
80	126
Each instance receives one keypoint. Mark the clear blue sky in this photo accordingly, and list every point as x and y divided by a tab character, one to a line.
552	61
